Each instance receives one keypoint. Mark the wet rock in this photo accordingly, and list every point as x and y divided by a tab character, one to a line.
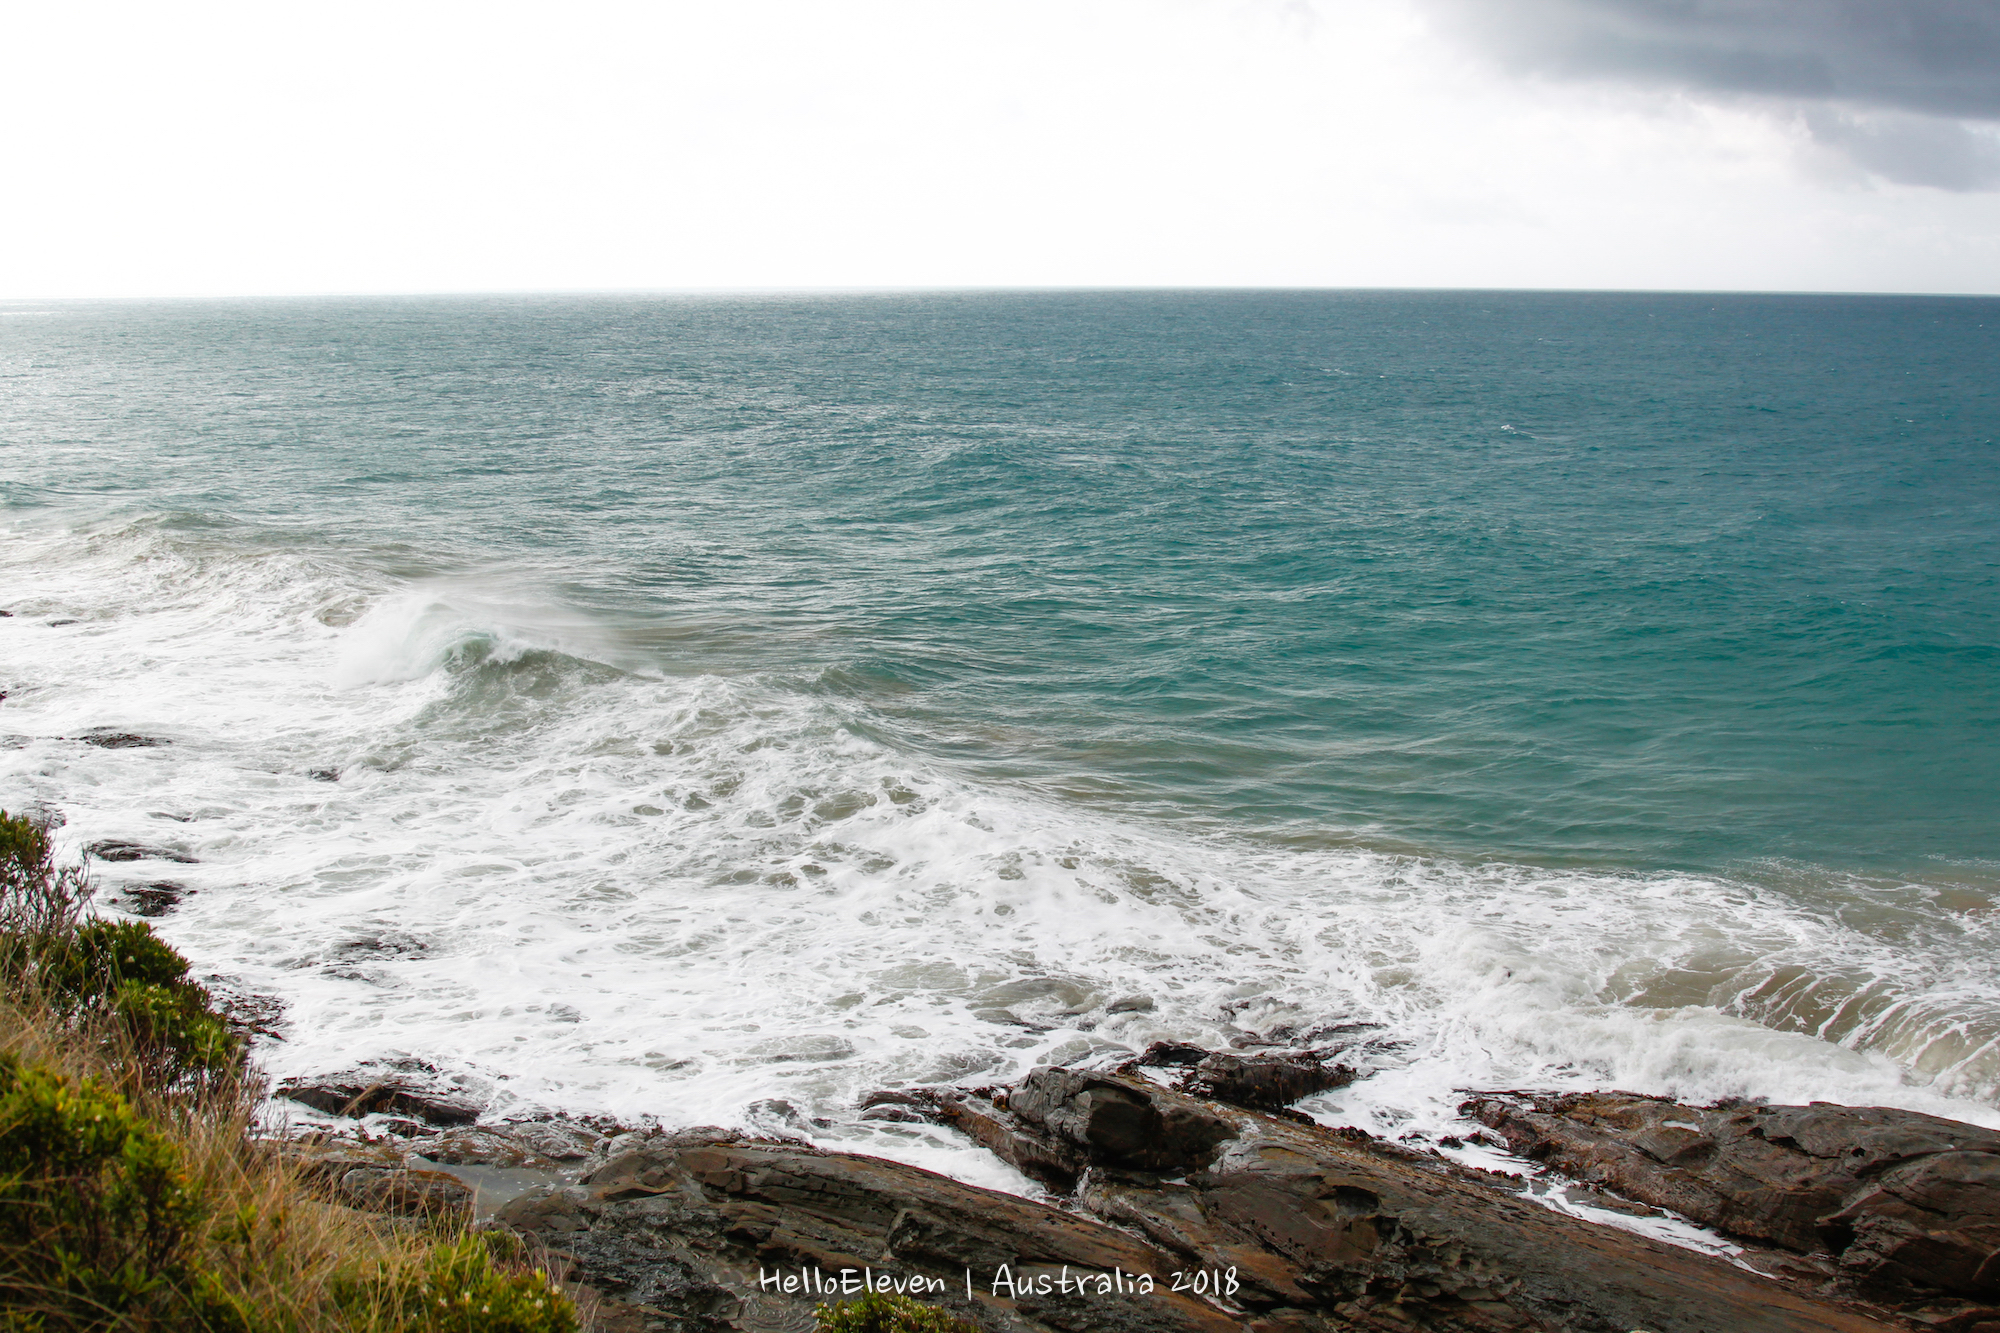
559	1140
1932	1223
53	624
406	1192
1057	1123
365	1093
629	1283
981	1114
895	1107
473	1145
1288	1228
408	1129
611	1139
698	1225
1331	1229
155	899
105	738
389	943
1130	1004
394	942
375	1177
895	1115
116	849
358	959
1265	1082
1163	1054
1900	1199
323	774
779	1116
1115	1122
243	1009
330	1158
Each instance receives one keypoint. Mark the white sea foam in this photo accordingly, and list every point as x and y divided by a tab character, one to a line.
711	898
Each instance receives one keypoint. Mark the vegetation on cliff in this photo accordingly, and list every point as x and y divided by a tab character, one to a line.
133	1196
886	1312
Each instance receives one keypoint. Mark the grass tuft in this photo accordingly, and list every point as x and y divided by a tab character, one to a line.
886	1312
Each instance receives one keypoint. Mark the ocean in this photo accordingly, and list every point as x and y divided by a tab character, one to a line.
718	707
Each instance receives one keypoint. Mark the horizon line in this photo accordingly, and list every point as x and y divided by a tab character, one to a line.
894	289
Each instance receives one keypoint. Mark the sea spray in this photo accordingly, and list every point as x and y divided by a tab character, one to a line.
727	770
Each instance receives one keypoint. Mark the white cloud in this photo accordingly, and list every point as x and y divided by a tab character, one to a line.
233	148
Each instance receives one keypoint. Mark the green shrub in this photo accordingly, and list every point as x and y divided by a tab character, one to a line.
95	1207
110	953
118	975
75	967
886	1312
174	1034
156	1214
36	896
98	1224
458	1290
128	983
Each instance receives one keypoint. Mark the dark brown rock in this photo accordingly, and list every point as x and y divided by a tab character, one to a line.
152	899
1058	1122
1265	1082
1901	1199
323	1164
1304	1230
560	1140
248	1012
405	1192
1329	1229
375	1178
1164	1053
1114	1121
113	849
107	739
366	1093
981	1115
685	1225
1934	1222
895	1114
473	1145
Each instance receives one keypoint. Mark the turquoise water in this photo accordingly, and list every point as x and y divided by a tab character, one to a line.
1629	589
1645	581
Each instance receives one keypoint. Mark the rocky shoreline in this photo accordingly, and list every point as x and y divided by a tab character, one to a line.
1185	1194
1186	1197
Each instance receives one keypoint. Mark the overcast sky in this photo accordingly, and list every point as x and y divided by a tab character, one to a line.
207	148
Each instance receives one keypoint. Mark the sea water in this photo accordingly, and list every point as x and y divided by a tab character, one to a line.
719	707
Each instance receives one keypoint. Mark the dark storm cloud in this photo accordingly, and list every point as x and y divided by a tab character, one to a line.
1913	150
1887	83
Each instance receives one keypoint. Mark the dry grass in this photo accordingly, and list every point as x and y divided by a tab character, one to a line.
266	1253
289	1258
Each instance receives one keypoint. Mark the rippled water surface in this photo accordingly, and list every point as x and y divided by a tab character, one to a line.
718	702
